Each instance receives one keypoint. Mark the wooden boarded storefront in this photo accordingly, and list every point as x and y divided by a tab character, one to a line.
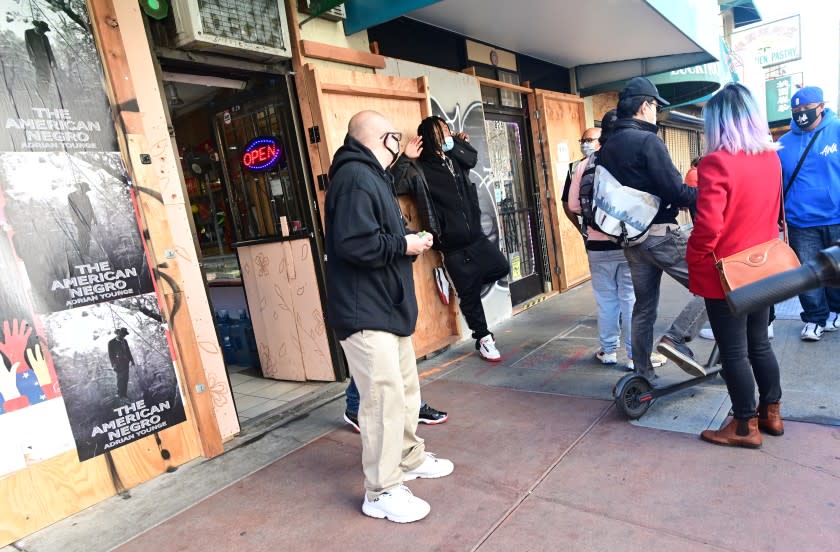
329	98
557	122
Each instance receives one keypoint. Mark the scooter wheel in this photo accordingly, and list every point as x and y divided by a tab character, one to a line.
629	394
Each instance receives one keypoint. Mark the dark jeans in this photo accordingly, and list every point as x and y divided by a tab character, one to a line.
807	242
648	260
122	382
352	398
746	356
467	277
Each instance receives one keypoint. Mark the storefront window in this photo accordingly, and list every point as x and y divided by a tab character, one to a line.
265	203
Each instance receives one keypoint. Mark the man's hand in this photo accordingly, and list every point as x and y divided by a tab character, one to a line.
463	136
414	147
416	244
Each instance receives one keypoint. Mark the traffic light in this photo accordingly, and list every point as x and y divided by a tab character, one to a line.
156	9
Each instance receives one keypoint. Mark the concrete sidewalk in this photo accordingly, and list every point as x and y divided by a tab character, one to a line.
543	462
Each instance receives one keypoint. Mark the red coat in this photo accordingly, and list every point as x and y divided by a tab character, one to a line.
738	200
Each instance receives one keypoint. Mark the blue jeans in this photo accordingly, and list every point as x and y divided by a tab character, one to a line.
352	398
613	290
807	242
648	260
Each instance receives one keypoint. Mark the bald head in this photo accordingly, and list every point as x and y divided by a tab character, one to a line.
370	128
589	141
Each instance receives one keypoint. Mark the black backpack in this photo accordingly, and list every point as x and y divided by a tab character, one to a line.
587	189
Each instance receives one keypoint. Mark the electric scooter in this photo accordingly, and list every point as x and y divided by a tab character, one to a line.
635	393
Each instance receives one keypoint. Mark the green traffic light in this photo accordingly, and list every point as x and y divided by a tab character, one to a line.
156	9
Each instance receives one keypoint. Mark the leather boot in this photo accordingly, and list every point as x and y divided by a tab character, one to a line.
770	418
737	433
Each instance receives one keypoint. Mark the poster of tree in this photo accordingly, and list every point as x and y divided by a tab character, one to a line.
115	368
52	98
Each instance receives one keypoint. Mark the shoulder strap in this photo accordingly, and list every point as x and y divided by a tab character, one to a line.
801	160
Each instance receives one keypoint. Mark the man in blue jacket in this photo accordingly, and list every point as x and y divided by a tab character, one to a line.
812	198
372	308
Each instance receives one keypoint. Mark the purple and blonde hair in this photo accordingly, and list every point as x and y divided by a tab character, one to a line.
734	123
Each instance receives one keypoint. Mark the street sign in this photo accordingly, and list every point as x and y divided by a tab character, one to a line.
778	94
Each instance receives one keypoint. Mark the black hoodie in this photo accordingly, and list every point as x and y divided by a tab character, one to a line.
637	157
370	284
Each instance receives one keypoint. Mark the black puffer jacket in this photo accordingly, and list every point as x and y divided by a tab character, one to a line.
638	158
370	283
454	200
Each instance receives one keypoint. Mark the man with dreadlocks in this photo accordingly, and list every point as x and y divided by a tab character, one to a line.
435	170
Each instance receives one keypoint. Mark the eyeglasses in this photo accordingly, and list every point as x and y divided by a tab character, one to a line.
587	140
397	135
657	106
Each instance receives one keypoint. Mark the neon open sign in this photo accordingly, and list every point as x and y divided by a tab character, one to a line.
262	154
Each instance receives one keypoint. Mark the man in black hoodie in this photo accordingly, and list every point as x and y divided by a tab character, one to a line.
638	158
372	308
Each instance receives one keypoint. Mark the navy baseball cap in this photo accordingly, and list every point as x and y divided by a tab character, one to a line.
807	95
640	86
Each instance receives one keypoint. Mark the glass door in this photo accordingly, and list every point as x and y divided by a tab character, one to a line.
516	202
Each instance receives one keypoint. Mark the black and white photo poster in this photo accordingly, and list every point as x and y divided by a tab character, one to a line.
114	363
74	228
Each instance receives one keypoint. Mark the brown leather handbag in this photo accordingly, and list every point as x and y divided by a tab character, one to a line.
755	263
758	261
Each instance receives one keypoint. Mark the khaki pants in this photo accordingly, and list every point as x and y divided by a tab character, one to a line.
383	366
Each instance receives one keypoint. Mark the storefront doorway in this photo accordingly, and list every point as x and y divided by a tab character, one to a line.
516	203
244	170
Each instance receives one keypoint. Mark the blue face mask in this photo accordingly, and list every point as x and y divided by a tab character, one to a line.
448	144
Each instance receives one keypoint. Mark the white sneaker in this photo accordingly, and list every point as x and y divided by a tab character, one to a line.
706	333
442	285
657	360
397	504
487	349
833	322
630	367
606	358
812	332
770	334
431	468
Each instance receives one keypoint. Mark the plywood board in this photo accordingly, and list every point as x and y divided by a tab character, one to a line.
331	107
557	129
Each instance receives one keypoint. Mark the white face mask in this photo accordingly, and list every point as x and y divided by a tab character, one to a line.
448	144
588	148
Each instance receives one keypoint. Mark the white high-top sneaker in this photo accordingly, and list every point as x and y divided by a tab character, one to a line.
487	349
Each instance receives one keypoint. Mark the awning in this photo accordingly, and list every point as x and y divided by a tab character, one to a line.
685	86
603	41
744	12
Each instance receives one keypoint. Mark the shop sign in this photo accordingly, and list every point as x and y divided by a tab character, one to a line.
778	94
262	154
772	43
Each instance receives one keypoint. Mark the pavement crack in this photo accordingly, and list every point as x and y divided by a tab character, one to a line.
818	469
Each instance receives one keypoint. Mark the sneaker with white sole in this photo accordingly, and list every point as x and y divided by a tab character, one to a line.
397	504
833	322
606	358
353	420
706	333
487	349
656	360
681	355
431	416
431	468
812	332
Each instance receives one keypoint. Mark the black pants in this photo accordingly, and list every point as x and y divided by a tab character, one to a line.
122	381
468	278
746	356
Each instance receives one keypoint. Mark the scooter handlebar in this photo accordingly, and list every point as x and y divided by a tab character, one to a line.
822	271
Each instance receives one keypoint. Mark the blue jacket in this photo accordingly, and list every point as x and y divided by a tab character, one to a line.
814	199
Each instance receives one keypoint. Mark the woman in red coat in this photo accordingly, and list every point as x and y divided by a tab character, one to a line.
738	199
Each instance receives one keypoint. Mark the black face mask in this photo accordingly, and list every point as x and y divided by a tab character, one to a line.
806	118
